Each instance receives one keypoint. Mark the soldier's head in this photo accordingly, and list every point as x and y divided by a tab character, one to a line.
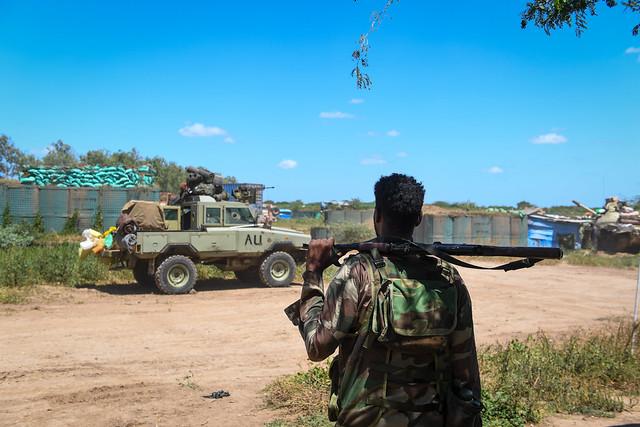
399	201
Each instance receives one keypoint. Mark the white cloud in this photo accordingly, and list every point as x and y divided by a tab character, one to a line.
495	169
393	133
335	115
288	164
633	51
371	133
229	140
199	130
356	101
402	154
373	160
549	138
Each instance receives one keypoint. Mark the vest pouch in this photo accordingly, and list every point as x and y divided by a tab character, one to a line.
410	308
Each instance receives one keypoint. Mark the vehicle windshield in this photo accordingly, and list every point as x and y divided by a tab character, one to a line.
238	216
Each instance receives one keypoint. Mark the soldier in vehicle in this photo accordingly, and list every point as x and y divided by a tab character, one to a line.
409	360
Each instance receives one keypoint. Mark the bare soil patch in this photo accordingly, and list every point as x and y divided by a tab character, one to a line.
114	355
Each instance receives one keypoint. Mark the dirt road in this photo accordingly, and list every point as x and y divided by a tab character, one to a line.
117	356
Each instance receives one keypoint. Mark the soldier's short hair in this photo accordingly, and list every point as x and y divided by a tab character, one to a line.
399	198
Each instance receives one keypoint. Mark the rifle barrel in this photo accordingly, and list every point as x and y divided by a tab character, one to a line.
456	249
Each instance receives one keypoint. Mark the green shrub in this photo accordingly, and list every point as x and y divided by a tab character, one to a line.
599	259
38	224
6	215
71	224
17	269
98	220
15	235
55	265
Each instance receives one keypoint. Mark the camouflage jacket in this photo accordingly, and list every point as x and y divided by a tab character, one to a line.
331	321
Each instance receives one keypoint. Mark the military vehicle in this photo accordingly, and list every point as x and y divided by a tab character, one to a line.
163	243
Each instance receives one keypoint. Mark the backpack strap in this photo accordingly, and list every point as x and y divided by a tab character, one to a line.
375	268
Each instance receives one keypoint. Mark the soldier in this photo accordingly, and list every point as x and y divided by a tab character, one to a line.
403	326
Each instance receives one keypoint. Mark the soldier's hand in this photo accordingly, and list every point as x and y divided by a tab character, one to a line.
319	254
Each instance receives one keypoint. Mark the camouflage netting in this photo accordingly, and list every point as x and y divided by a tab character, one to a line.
90	176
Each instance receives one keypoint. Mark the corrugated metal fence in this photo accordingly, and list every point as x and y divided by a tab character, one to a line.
57	204
504	230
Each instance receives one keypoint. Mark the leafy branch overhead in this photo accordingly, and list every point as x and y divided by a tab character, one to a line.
548	15
554	14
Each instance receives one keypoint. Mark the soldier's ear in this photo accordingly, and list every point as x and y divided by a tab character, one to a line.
418	220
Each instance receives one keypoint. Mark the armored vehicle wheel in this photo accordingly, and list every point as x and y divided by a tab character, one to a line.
277	270
176	275
140	273
250	275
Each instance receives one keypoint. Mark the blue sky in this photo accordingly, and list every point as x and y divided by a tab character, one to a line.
463	99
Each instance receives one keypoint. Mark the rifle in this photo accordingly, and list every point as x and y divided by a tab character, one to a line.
444	251
447	251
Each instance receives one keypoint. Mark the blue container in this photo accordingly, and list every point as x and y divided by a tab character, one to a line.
548	233
285	214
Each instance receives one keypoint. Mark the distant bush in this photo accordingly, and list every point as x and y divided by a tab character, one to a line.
347	232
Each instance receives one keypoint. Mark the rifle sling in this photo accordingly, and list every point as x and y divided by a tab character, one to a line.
510	266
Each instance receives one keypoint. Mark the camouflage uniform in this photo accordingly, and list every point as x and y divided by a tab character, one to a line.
336	320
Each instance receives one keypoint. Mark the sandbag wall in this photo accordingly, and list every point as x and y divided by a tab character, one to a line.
57	204
503	230
90	176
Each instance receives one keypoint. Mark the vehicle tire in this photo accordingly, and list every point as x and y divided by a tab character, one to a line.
141	275
250	275
277	270
176	275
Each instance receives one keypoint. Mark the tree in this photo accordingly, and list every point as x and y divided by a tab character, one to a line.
60	154
12	159
553	14
129	159
169	174
524	205
546	14
96	158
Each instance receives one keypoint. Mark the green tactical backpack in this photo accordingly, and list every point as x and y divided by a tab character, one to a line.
405	315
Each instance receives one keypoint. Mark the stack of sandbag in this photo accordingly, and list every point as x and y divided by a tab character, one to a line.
90	176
